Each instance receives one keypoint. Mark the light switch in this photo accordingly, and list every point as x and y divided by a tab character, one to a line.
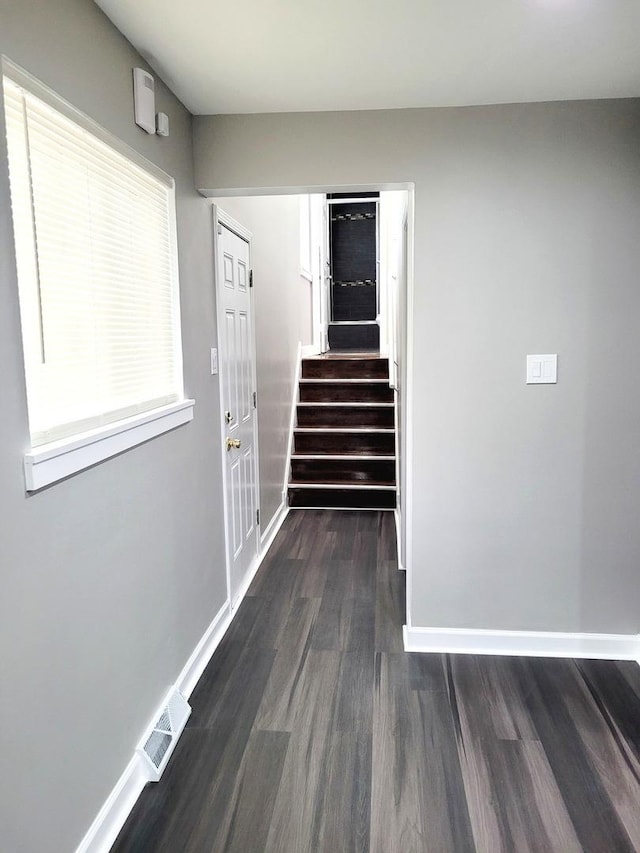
214	361
542	369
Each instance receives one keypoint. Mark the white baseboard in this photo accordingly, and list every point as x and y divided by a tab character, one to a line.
203	652
118	805
525	643
117	808
274	526
308	350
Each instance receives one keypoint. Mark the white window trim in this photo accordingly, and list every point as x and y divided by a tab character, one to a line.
52	462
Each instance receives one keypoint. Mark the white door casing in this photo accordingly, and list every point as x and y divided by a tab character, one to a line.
320	252
236	345
325	275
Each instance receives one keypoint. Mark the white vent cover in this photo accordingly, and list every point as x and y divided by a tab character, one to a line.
160	740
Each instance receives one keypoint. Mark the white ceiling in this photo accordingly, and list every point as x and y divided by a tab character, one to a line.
242	56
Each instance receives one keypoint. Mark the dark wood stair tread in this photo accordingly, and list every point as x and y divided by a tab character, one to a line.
344	367
344	484
352	454
341	498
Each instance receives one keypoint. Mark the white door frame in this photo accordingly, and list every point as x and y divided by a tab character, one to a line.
221	218
319	248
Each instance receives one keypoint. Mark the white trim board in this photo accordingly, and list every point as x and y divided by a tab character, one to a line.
293	416
524	643
116	809
203	652
59	459
398	523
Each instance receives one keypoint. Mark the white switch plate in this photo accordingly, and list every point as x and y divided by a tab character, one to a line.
542	369
214	361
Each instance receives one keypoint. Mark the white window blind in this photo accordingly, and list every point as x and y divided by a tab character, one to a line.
97	274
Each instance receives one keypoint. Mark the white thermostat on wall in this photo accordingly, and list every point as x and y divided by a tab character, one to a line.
144	100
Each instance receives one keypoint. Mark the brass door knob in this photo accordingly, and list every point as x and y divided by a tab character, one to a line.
233	442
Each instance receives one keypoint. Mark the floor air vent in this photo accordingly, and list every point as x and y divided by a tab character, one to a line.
160	740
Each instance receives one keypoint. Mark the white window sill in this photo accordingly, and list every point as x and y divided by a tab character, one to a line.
52	462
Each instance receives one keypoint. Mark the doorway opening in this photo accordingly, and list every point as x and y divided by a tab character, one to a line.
331	311
354	260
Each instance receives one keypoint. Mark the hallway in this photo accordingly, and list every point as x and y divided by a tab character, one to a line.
313	731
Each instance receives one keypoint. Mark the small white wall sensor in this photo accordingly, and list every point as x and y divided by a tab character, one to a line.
144	100
162	124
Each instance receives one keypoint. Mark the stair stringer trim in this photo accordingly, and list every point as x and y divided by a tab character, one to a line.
295	398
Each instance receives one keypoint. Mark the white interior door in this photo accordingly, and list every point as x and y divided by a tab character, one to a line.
237	375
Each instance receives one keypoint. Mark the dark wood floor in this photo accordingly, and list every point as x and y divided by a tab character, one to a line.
312	730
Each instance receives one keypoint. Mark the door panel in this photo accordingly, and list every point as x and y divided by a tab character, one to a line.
246	403
237	374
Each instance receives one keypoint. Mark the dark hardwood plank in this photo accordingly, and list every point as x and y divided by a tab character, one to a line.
389	606
344	622
418	800
248	818
514	802
545	684
309	719
342	818
235	694
602	708
312	730
280	692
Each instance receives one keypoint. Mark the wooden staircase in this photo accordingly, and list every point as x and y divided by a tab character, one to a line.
344	444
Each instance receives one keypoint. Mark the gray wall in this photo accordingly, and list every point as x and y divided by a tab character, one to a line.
110	578
526	240
282	319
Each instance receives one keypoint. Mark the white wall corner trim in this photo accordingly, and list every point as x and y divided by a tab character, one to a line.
52	462
398	521
525	643
295	396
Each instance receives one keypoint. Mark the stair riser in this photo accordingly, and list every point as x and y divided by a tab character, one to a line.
345	368
354	303
354	337
357	471
342	498
382	444
327	416
351	393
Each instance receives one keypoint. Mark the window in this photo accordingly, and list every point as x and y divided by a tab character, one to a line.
97	275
